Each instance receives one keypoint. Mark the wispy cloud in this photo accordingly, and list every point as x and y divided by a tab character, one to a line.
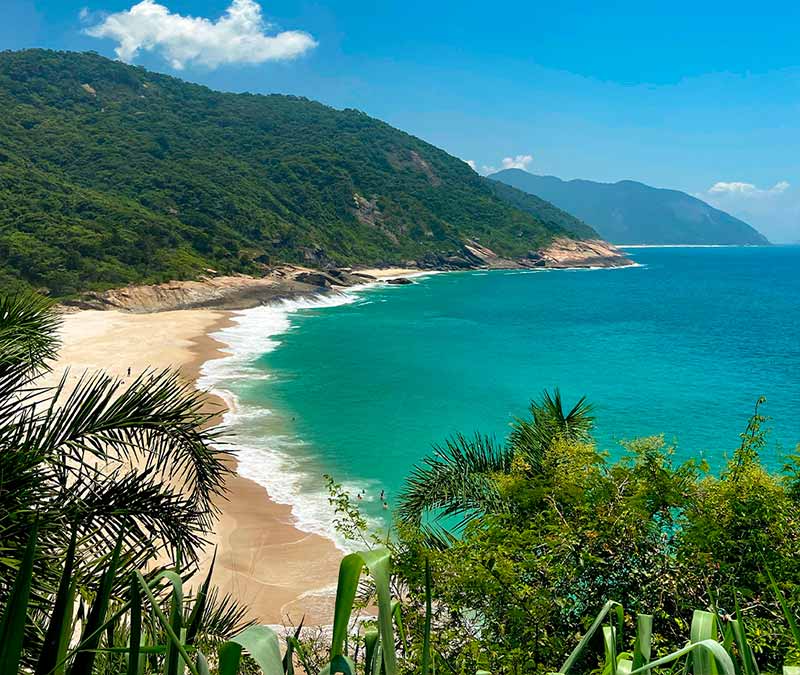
747	189
516	162
240	35
773	210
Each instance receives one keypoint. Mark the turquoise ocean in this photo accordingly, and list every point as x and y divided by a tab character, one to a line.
361	385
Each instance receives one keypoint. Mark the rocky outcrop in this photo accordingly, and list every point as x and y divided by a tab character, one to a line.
288	281
222	292
564	253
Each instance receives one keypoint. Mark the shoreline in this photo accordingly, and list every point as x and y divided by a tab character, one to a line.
263	560
281	572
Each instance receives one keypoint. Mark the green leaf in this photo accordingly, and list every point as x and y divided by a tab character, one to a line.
58	631
787	612
165	623
262	643
202	664
172	660
644	635
378	564
724	664
584	642
371	638
704	627
135	639
90	638
196	617
12	625
230	655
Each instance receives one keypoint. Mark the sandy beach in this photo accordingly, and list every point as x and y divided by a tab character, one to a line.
279	572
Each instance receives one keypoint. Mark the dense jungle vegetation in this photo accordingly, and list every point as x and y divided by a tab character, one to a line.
111	174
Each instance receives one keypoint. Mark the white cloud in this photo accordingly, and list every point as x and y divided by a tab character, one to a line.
238	36
775	210
747	189
518	162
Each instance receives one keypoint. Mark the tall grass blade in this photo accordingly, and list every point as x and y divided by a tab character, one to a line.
721	658
749	664
378	564
15	616
61	617
642	648
172	660
371	637
96	619
165	623
584	642
349	573
291	644
135	640
787	612
704	627
200	601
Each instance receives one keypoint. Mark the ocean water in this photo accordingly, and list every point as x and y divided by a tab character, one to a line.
361	385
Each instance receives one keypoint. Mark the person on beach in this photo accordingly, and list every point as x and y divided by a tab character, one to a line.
129	371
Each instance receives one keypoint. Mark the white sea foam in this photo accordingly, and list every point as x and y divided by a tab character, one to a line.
273	460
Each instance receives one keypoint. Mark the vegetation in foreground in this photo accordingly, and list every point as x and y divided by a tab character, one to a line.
549	533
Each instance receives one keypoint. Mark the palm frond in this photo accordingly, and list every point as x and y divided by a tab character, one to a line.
458	480
28	333
156	423
549	422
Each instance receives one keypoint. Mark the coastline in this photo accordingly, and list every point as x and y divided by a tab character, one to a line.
263	560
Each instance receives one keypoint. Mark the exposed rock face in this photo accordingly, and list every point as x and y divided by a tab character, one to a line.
561	253
241	291
233	292
592	253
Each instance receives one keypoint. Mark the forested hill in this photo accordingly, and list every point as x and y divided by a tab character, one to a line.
628	212
110	174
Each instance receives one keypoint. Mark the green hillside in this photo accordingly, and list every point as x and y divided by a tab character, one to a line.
111	174
628	212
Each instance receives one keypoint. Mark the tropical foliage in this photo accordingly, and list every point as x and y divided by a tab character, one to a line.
528	538
106	493
97	480
110	174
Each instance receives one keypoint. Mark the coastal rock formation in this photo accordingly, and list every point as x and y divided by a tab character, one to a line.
565	252
288	281
222	292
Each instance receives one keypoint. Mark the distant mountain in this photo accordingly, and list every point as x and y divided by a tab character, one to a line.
628	212
110	174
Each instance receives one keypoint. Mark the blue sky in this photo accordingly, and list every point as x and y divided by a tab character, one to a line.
701	97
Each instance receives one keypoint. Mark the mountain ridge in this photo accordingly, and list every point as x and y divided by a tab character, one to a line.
632	212
113	175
